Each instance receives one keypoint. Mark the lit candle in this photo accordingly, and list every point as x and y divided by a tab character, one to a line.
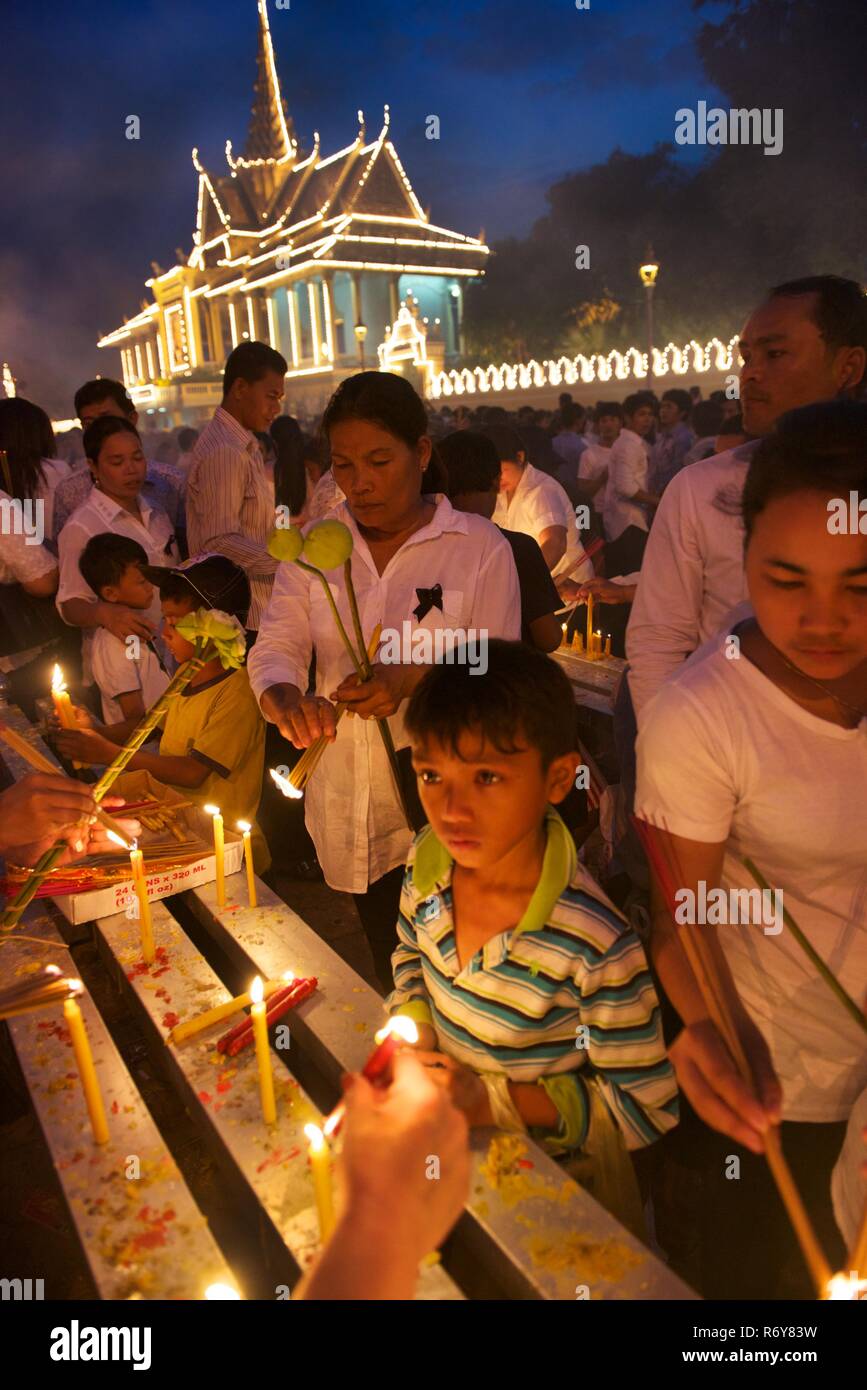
144	908
608	644
84	1062
577	644
320	1164
263	1051
845	1288
219	851
597	642
563	639
245	827
286	787
398	1029
62	703
590	626
217	1292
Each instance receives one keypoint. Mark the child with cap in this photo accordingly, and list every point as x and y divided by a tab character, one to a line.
535	990
213	741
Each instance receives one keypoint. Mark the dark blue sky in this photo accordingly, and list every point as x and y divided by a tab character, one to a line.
526	90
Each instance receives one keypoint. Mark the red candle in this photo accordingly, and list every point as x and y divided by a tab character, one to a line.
241	1035
398	1030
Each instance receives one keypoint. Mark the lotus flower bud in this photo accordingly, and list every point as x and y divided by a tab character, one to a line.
285	543
328	545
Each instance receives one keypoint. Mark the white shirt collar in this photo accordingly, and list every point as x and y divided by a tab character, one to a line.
109	509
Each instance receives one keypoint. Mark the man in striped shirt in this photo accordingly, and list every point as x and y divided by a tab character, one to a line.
230	499
510	957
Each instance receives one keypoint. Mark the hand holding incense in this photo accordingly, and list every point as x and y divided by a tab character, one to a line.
397	1030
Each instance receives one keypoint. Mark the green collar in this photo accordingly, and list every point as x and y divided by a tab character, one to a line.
433	866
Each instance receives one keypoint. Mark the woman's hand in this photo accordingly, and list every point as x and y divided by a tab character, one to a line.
377	698
465	1088
709	1078
124	622
301	719
42	805
602	590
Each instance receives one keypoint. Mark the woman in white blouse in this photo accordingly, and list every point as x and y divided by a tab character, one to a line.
416	563
758	750
116	503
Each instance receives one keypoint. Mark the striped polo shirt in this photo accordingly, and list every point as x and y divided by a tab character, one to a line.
564	999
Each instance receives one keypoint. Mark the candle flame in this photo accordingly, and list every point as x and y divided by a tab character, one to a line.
257	990
75	986
117	840
315	1137
218	1291
58	684
402	1027
286	787
288	976
244	825
212	810
53	970
845	1287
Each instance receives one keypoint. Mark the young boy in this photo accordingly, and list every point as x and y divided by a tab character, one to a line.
129	674
534	988
213	741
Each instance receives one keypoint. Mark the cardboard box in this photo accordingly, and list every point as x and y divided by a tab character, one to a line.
119	897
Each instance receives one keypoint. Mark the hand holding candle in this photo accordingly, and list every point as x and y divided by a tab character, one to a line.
397	1030
62	703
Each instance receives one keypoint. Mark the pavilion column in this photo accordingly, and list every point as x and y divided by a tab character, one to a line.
220	351
328	316
357	317
394	296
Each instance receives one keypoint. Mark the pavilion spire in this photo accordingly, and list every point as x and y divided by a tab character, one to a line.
270	134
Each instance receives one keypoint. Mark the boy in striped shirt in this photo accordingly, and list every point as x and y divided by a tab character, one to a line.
534	1000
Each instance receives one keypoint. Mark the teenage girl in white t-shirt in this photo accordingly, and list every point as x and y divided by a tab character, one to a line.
758	749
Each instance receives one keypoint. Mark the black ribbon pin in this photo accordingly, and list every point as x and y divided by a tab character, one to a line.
428	599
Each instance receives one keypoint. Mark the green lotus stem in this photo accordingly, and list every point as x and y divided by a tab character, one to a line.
827	974
311	569
142	732
179	682
384	730
13	912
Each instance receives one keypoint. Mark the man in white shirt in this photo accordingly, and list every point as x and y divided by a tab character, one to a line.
806	343
627	498
592	479
230	500
531	501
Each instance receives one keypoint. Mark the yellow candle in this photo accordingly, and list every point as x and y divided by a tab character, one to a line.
185	1030
263	1051
608	644
220	854
144	908
577	644
245	827
320	1165
86	1069
563	638
62	703
590	625
597	642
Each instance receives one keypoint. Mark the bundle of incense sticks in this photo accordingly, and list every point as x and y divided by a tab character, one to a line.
37	760
309	760
663	861
241	1035
48	987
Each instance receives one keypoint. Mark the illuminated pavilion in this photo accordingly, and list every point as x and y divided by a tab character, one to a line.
312	253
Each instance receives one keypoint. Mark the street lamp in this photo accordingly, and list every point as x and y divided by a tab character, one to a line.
360	335
648	273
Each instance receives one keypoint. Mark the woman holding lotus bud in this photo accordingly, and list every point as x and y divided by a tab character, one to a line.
416	564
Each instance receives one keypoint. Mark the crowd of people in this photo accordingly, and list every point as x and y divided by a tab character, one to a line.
701	529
